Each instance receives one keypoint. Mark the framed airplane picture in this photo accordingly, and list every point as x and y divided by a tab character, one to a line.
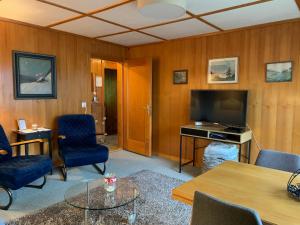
34	76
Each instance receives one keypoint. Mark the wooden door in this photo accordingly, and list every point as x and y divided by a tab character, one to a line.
110	101
138	106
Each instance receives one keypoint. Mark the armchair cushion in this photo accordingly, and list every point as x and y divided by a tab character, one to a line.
84	155
4	145
20	171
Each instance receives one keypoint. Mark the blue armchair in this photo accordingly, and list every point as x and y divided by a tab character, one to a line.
20	171
77	143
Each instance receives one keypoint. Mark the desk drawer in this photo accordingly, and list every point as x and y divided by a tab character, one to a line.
37	135
194	132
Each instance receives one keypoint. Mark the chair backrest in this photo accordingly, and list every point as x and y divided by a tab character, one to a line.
278	160
208	210
79	130
4	145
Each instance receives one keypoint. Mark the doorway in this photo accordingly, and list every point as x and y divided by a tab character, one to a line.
107	93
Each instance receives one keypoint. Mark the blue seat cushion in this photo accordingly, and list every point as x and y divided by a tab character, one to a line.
20	171
84	155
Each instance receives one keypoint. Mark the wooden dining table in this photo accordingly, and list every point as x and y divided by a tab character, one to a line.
255	187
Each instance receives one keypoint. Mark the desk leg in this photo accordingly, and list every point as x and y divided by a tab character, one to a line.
50	151
180	154
194	151
249	151
18	147
240	152
42	148
26	149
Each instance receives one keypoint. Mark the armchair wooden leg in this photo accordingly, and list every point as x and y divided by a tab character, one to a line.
64	172
6	207
38	186
102	172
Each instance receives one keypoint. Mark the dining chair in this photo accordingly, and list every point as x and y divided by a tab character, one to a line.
278	160
208	210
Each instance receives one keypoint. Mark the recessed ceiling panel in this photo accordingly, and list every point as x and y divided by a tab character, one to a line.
32	11
129	15
267	12
89	27
200	6
181	29
130	39
85	5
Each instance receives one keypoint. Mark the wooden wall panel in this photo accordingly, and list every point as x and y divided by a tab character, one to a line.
73	73
274	108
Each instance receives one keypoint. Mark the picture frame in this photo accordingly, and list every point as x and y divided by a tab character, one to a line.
34	76
223	70
22	124
277	72
180	76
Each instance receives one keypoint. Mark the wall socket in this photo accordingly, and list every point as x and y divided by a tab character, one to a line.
83	105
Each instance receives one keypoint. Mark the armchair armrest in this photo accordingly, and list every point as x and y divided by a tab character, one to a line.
62	137
3	152
26	142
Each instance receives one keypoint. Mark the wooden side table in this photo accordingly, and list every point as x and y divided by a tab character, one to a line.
47	134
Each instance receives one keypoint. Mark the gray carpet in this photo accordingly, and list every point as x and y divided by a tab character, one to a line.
154	207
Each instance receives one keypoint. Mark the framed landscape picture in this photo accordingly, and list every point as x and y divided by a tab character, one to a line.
34	76
180	77
223	70
279	71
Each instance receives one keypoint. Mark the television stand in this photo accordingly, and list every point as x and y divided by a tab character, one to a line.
215	132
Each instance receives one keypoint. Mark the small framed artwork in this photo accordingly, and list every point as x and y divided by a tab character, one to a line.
223	70
279	71
34	76
22	124
180	76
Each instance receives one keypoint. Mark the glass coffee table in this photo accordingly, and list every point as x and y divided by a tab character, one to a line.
92	195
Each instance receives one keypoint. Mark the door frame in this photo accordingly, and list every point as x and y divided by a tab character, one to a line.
120	95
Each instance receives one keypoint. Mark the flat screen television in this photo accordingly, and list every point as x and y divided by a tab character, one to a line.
226	107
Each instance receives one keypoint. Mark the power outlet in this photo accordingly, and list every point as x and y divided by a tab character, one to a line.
83	105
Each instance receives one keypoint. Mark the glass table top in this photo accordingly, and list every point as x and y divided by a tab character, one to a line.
93	195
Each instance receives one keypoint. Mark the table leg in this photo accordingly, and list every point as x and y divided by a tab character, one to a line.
132	217
18	147
180	154
26	149
50	150
194	151
249	151
240	152
50	147
42	148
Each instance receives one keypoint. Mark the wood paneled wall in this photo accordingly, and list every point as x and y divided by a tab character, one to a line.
73	55
274	108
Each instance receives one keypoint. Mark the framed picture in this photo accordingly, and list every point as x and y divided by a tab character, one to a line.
22	124
223	70
180	76
279	71
34	76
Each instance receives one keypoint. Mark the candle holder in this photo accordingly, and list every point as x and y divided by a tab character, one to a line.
110	180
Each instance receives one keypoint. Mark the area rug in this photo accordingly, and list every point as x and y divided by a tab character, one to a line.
154	207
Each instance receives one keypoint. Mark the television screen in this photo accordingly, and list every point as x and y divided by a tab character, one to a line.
227	107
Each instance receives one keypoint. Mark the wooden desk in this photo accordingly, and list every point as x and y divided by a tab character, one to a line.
47	134
255	187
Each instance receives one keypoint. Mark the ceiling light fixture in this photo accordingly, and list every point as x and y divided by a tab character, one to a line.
162	9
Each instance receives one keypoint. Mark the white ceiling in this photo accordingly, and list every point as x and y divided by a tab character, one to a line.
257	14
119	21
181	29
